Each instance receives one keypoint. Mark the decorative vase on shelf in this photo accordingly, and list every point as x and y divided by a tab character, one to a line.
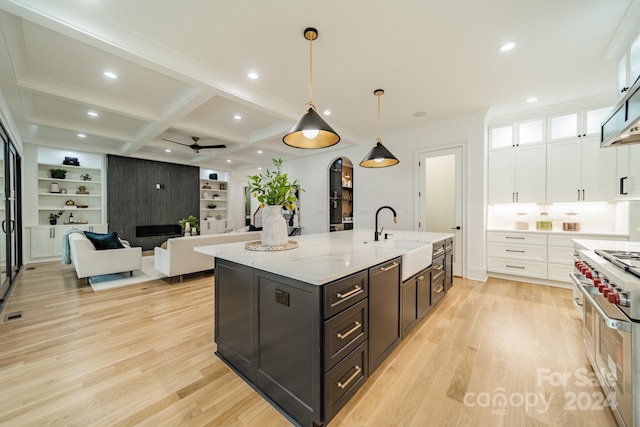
274	226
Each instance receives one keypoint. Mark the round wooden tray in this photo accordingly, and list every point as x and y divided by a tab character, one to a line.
256	245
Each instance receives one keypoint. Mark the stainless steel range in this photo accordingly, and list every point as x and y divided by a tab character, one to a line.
609	282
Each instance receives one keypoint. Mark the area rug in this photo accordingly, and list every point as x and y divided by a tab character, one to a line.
110	281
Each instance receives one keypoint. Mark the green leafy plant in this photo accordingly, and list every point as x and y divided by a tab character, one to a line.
54	216
193	222
274	187
212	206
57	172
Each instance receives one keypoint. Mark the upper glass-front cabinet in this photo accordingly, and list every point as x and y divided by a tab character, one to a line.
622	75
634	62
576	125
531	132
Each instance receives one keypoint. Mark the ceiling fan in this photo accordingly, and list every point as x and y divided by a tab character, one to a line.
195	146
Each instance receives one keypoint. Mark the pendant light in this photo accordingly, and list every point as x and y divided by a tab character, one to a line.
311	131
379	156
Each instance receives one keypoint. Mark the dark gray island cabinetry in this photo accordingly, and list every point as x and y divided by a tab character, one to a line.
304	347
306	327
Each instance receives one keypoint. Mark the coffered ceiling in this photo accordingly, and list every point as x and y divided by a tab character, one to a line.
182	68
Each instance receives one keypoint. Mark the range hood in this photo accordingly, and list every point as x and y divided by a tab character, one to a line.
622	125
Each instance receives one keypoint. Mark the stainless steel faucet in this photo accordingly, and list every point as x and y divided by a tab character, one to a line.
395	220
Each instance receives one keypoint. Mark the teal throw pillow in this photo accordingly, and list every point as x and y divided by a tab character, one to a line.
104	241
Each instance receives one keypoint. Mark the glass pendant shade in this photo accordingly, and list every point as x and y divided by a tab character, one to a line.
311	132
379	157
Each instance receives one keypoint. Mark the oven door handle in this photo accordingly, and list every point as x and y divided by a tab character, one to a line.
618	325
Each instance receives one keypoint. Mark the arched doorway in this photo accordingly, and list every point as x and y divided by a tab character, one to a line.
341	194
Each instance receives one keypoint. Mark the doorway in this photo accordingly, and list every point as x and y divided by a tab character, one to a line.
341	194
10	215
441	210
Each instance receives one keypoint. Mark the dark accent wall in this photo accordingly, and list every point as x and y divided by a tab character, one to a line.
133	199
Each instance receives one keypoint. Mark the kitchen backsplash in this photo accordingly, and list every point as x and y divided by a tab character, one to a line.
592	217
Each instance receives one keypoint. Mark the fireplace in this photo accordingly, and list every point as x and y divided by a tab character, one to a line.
158	230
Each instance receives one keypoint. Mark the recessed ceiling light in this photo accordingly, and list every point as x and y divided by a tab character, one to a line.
82	135
259	169
228	161
532	99
259	151
110	74
327	113
92	113
252	75
167	150
507	46
237	117
419	114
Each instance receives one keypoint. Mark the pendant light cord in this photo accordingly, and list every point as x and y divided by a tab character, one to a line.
379	116
311	71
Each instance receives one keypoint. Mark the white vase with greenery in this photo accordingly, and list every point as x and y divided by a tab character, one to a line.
274	191
274	226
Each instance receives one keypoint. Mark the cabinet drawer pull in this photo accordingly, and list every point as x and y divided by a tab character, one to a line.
517	238
356	326
513	250
438	267
440	289
351	292
395	264
516	266
437	253
351	378
420	277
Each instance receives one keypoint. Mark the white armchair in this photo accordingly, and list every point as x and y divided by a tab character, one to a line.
91	262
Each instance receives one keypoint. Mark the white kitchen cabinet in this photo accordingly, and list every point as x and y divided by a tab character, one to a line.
517	134
581	124
628	182
518	175
518	254
559	250
46	242
579	170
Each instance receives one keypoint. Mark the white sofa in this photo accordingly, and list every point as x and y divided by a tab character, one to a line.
179	257
88	261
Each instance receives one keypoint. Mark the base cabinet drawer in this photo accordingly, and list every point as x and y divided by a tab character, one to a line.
344	332
524	252
342	382
518	267
345	292
560	272
527	239
560	255
437	288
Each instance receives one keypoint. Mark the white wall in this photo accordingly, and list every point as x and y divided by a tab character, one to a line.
397	186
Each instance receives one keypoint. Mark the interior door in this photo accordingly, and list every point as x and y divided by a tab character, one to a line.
441	197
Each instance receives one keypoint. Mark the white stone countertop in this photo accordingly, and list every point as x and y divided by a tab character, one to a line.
324	257
611	245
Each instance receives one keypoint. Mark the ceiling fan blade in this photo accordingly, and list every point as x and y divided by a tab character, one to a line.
212	146
175	142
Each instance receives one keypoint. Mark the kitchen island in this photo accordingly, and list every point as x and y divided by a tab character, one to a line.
306	327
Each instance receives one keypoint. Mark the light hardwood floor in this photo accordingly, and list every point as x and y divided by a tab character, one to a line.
144	355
